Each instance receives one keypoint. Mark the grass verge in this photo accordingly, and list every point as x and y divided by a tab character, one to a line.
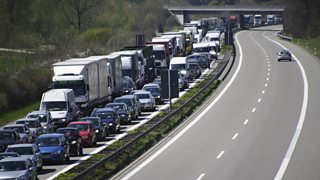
312	45
16	114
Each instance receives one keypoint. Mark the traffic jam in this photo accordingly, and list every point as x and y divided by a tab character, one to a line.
96	100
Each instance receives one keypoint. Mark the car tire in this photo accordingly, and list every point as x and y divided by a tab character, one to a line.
40	168
81	150
68	157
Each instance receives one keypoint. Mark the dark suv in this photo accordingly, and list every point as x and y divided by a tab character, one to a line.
132	102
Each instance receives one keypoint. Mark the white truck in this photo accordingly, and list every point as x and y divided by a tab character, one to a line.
91	80
257	21
116	68
61	104
181	64
181	41
206	47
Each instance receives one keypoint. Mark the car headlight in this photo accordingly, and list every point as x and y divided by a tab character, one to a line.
57	152
123	115
97	130
157	96
45	127
73	142
63	120
110	124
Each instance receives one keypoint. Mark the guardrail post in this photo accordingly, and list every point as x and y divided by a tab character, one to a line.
307	45
315	51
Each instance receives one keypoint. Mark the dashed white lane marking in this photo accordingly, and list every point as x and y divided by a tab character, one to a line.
269	65
246	122
268	74
266	85
296	135
263	92
220	154
259	100
269	69
201	176
235	136
176	137
254	109
268	79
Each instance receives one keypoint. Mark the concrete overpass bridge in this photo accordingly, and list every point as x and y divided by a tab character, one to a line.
183	13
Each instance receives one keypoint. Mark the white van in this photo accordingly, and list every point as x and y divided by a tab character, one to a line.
61	104
181	64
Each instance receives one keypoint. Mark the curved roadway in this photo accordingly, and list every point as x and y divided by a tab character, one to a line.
251	128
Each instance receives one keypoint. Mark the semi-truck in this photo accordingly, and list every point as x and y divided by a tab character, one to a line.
116	68
91	80
181	41
131	66
146	55
161	54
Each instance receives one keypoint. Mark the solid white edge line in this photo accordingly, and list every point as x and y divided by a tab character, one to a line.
296	135
201	176
246	122
164	147
254	109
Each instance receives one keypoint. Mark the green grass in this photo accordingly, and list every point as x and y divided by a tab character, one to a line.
11	60
312	45
16	114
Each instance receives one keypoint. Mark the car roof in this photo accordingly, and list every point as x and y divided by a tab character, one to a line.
15	125
39	112
50	135
125	97
104	109
12	159
80	122
85	118
22	145
67	128
7	130
142	92
28	119
117	103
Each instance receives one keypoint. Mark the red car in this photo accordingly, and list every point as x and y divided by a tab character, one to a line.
87	132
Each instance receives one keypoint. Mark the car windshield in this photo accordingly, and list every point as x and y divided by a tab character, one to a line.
48	141
81	127
105	115
12	166
127	101
94	122
152	89
178	66
55	106
21	150
41	117
30	124
115	106
67	132
193	66
19	129
143	96
6	135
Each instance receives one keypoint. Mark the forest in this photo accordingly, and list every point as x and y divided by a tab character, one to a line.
52	30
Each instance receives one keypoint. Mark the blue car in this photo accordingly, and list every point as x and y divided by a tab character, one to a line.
108	117
53	147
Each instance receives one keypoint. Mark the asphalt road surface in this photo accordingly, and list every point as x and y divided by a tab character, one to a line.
263	124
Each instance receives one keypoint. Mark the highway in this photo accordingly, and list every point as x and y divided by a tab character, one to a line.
261	125
50	171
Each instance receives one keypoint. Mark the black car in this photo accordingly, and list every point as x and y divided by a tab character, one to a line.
74	139
8	137
128	85
155	91
122	110
108	117
132	106
102	130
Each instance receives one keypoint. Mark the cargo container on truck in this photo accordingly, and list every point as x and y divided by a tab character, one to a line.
116	71
161	54
171	41
181	41
146	55
91	80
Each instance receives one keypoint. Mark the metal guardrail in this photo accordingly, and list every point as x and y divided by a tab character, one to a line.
282	36
214	76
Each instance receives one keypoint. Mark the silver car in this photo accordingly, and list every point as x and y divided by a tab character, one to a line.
17	168
33	124
28	150
23	130
284	55
147	101
45	119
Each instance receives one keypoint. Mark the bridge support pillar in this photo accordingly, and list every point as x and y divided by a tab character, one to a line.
182	17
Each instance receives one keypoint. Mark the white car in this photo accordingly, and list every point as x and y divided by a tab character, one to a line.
147	101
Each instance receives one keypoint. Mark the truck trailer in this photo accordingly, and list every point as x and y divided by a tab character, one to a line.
91	80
